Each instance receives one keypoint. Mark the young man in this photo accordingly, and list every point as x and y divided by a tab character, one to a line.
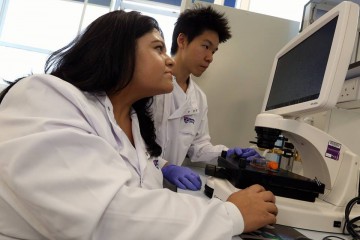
181	116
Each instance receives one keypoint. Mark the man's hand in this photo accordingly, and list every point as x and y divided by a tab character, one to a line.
247	153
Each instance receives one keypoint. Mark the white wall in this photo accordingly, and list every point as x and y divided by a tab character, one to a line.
2	86
235	82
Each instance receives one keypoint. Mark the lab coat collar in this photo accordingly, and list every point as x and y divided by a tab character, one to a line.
186	101
136	156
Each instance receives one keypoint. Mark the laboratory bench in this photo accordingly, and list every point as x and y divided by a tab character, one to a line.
314	235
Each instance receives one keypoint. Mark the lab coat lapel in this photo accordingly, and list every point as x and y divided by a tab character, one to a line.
124	146
140	147
183	110
188	107
128	152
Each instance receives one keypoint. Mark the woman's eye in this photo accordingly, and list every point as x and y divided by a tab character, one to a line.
159	48
206	46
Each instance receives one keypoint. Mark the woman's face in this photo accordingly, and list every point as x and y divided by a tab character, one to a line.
153	67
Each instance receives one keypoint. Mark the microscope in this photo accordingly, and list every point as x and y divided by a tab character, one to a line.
307	77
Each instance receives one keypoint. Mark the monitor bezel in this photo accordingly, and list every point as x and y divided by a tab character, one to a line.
336	68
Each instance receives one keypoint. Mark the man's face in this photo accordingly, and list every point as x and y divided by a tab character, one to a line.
198	54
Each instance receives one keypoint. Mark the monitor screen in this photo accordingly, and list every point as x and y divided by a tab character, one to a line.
308	73
299	73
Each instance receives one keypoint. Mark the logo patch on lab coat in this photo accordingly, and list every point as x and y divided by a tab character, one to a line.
188	119
156	163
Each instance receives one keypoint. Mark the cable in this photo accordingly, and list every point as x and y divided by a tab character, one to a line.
350	225
333	238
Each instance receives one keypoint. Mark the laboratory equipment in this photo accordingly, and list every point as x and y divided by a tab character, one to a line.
306	78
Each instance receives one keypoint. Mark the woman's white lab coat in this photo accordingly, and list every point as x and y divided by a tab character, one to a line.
67	171
182	125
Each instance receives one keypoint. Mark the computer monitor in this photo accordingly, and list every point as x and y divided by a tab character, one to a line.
308	73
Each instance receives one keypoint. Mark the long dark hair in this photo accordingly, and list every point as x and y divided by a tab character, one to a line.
102	60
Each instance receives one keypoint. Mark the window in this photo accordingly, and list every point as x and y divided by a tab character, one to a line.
292	10
165	14
31	29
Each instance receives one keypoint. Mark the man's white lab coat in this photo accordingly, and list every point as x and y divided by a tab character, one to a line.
68	171
182	125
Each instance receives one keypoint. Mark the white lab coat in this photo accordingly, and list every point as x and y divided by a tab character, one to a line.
182	125
68	171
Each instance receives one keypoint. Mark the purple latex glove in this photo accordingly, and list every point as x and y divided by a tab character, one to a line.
182	177
247	153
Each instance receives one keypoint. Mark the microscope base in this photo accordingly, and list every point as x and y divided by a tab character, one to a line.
316	216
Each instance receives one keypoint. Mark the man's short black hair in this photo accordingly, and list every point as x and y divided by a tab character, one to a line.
193	22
